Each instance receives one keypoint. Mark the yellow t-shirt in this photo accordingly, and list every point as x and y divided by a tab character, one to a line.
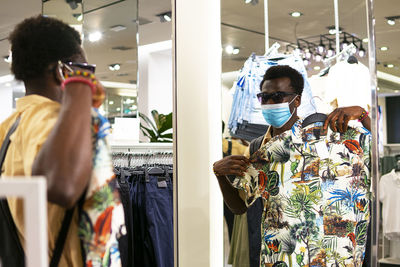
38	117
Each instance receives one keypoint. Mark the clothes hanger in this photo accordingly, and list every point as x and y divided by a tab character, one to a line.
315	117
352	60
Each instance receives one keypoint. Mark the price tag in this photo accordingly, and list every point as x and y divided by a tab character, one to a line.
322	150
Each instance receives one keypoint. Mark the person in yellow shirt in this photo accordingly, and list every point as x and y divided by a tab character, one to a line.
53	138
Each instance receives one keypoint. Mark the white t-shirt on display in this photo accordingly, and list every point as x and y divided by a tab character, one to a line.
349	84
389	195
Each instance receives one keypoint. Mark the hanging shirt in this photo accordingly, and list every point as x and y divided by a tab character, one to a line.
315	190
349	84
389	191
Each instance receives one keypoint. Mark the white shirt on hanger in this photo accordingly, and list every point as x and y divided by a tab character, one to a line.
349	84
389	193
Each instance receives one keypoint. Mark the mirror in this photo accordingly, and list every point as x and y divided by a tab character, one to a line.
301	35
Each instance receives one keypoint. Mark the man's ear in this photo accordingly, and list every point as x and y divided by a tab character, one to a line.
297	101
58	72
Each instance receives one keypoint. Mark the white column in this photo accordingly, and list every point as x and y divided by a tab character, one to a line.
198	142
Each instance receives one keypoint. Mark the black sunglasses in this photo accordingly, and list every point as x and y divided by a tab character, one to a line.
277	97
86	66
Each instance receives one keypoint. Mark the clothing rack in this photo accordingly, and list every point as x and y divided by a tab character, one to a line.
132	159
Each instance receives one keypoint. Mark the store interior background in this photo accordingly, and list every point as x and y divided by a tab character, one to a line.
143	50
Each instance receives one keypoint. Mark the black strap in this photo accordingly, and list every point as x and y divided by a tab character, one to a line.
256	144
7	214
229	147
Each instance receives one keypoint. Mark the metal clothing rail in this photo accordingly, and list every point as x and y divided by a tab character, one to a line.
142	147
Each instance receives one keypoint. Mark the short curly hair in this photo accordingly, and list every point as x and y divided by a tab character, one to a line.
39	41
281	71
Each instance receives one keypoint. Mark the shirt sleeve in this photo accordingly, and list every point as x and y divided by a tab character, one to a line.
37	127
248	185
381	188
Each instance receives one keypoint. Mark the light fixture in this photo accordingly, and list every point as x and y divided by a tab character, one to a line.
391	22
235	51
307	54
332	30
118	28
8	84
365	40
345	43
384	48
396	91
111	102
361	51
7	59
114	67
95	36
118	109
317	67
321	46
253	2
165	17
330	52
78	16
296	14
229	49
318	58
306	62
389	66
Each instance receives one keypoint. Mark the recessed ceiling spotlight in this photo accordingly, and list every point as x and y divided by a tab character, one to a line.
95	36
396	91
365	40
306	62
296	14
114	67
111	102
117	28
332	30
317	68
165	17
253	2
118	109
7	59
391	22
78	16
389	66
235	51
384	48
229	49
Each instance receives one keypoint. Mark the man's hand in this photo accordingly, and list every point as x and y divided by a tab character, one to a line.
231	165
340	117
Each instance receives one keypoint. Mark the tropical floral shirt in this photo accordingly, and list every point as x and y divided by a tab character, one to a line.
102	220
316	194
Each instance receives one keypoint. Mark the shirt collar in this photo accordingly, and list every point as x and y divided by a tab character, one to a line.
25	102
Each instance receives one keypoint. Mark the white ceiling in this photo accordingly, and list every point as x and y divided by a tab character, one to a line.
317	16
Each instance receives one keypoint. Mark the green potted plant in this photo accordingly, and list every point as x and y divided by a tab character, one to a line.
157	131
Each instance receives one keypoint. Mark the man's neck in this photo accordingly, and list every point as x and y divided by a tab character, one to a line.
52	92
284	128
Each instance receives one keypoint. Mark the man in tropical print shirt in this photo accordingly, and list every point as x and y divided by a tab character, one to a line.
314	180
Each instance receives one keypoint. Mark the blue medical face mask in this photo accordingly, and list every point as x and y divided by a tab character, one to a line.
277	115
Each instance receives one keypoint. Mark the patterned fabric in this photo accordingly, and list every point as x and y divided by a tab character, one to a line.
102	219
316	194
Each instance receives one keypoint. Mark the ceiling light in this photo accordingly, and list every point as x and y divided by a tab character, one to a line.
114	67
7	59
361	51
317	68
111	102
389	66
235	51
296	14
8	84
306	62
78	16
165	17
321	47
365	40
118	28
396	91
308	54
391	22
229	49
253	2
330	52
95	36
384	48
118	109
318	58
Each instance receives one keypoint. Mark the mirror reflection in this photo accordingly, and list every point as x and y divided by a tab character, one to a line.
300	195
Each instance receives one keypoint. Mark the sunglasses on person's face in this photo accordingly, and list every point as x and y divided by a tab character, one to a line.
277	97
85	66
